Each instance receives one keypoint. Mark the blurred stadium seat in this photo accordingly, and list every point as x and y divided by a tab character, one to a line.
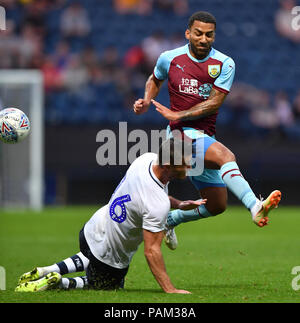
265	62
245	32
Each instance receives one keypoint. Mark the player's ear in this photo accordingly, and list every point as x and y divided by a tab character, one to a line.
187	34
166	168
214	38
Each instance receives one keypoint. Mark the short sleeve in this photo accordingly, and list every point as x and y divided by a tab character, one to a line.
155	219
225	79
161	68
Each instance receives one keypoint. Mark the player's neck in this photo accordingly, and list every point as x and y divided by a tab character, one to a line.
161	175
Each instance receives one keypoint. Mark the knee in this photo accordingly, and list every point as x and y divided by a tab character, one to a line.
223	155
228	156
216	209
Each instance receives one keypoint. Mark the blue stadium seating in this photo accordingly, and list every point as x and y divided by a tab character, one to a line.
262	57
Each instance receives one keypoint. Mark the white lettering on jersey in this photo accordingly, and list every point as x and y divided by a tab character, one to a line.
191	86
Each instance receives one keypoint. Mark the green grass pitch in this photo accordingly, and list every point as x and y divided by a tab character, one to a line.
221	259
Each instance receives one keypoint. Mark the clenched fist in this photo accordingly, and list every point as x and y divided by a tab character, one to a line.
141	106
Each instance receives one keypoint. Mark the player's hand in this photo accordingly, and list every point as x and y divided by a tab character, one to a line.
165	112
190	205
141	106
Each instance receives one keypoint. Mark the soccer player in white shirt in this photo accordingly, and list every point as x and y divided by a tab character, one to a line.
136	212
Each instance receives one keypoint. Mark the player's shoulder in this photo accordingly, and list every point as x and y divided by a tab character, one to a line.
141	165
152	191
146	158
169	55
216	54
156	196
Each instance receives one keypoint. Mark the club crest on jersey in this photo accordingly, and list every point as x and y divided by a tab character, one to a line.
214	70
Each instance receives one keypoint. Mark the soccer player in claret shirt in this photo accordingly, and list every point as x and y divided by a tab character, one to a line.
199	79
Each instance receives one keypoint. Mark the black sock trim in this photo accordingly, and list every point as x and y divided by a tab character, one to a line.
72	283
78	263
63	268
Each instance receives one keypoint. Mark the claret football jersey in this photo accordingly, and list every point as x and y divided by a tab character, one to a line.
190	82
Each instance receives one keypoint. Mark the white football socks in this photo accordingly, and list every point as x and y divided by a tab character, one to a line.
256	208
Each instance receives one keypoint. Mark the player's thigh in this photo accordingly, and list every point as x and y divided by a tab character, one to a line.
211	187
217	155
103	277
216	199
99	274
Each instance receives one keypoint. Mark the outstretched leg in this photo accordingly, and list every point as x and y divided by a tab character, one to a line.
221	171
76	263
52	280
222	157
42	278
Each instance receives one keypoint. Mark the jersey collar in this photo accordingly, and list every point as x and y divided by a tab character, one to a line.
153	176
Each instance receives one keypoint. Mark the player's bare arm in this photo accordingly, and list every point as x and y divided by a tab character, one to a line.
152	89
153	254
203	109
185	205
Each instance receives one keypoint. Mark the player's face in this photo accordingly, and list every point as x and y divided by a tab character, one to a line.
201	35
180	171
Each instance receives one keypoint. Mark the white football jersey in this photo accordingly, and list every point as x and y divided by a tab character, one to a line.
139	202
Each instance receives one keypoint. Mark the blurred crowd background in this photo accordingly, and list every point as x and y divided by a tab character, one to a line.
96	56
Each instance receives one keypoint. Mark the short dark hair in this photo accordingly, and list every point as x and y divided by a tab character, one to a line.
173	151
202	16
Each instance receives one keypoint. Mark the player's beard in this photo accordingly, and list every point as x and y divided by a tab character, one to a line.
200	54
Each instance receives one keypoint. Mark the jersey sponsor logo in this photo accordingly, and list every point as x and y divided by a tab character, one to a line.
117	210
214	70
191	86
188	86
